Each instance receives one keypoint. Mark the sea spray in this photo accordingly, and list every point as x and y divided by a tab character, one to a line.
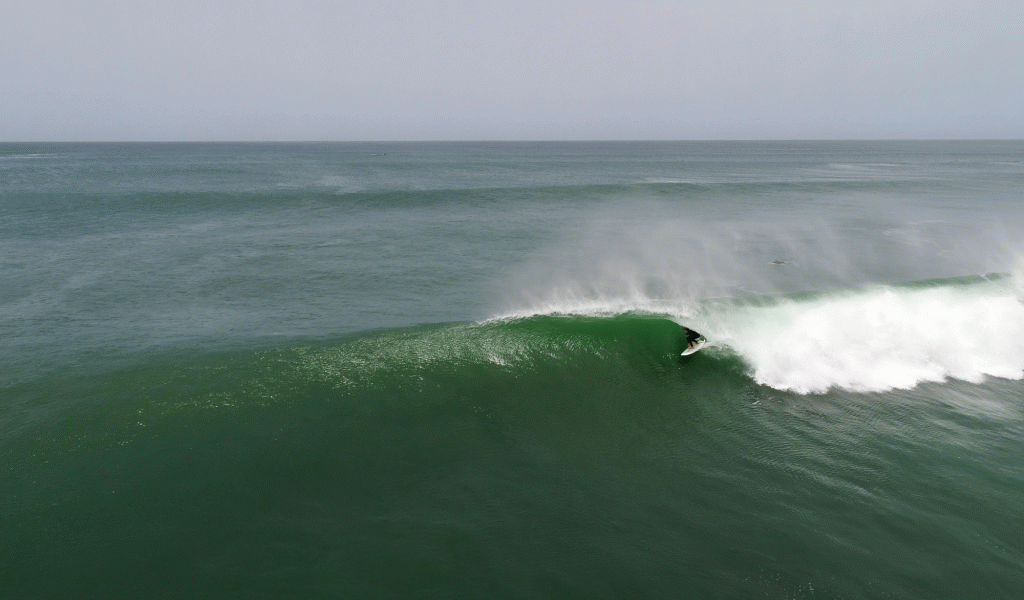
661	259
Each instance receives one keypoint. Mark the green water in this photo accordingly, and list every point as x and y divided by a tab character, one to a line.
453	370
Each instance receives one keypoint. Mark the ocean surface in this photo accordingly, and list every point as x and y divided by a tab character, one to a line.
452	370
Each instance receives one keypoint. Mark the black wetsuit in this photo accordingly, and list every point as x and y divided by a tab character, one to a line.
691	335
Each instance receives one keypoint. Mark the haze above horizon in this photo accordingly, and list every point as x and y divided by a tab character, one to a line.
510	70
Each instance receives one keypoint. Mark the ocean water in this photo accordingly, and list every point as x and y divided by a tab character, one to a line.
452	370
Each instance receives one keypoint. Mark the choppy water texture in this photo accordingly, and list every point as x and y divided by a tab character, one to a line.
453	370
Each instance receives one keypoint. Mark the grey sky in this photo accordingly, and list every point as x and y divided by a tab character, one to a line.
516	69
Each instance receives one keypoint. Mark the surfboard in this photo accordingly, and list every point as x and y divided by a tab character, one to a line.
693	343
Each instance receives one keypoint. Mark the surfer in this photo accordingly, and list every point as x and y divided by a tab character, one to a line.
692	337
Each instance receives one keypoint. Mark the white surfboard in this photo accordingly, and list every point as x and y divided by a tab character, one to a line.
695	346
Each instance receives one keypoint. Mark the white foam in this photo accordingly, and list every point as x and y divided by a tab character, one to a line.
569	304
879	339
25	156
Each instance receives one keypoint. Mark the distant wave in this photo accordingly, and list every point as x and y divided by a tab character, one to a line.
25	156
351	191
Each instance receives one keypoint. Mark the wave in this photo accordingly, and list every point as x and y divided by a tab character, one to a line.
537	347
871	339
568	358
25	156
661	188
865	340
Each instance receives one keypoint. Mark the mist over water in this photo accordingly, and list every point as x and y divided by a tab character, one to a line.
863	329
639	249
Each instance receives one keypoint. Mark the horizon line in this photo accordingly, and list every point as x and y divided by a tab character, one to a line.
507	141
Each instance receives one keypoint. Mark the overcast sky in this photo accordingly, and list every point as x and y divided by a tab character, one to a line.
510	70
